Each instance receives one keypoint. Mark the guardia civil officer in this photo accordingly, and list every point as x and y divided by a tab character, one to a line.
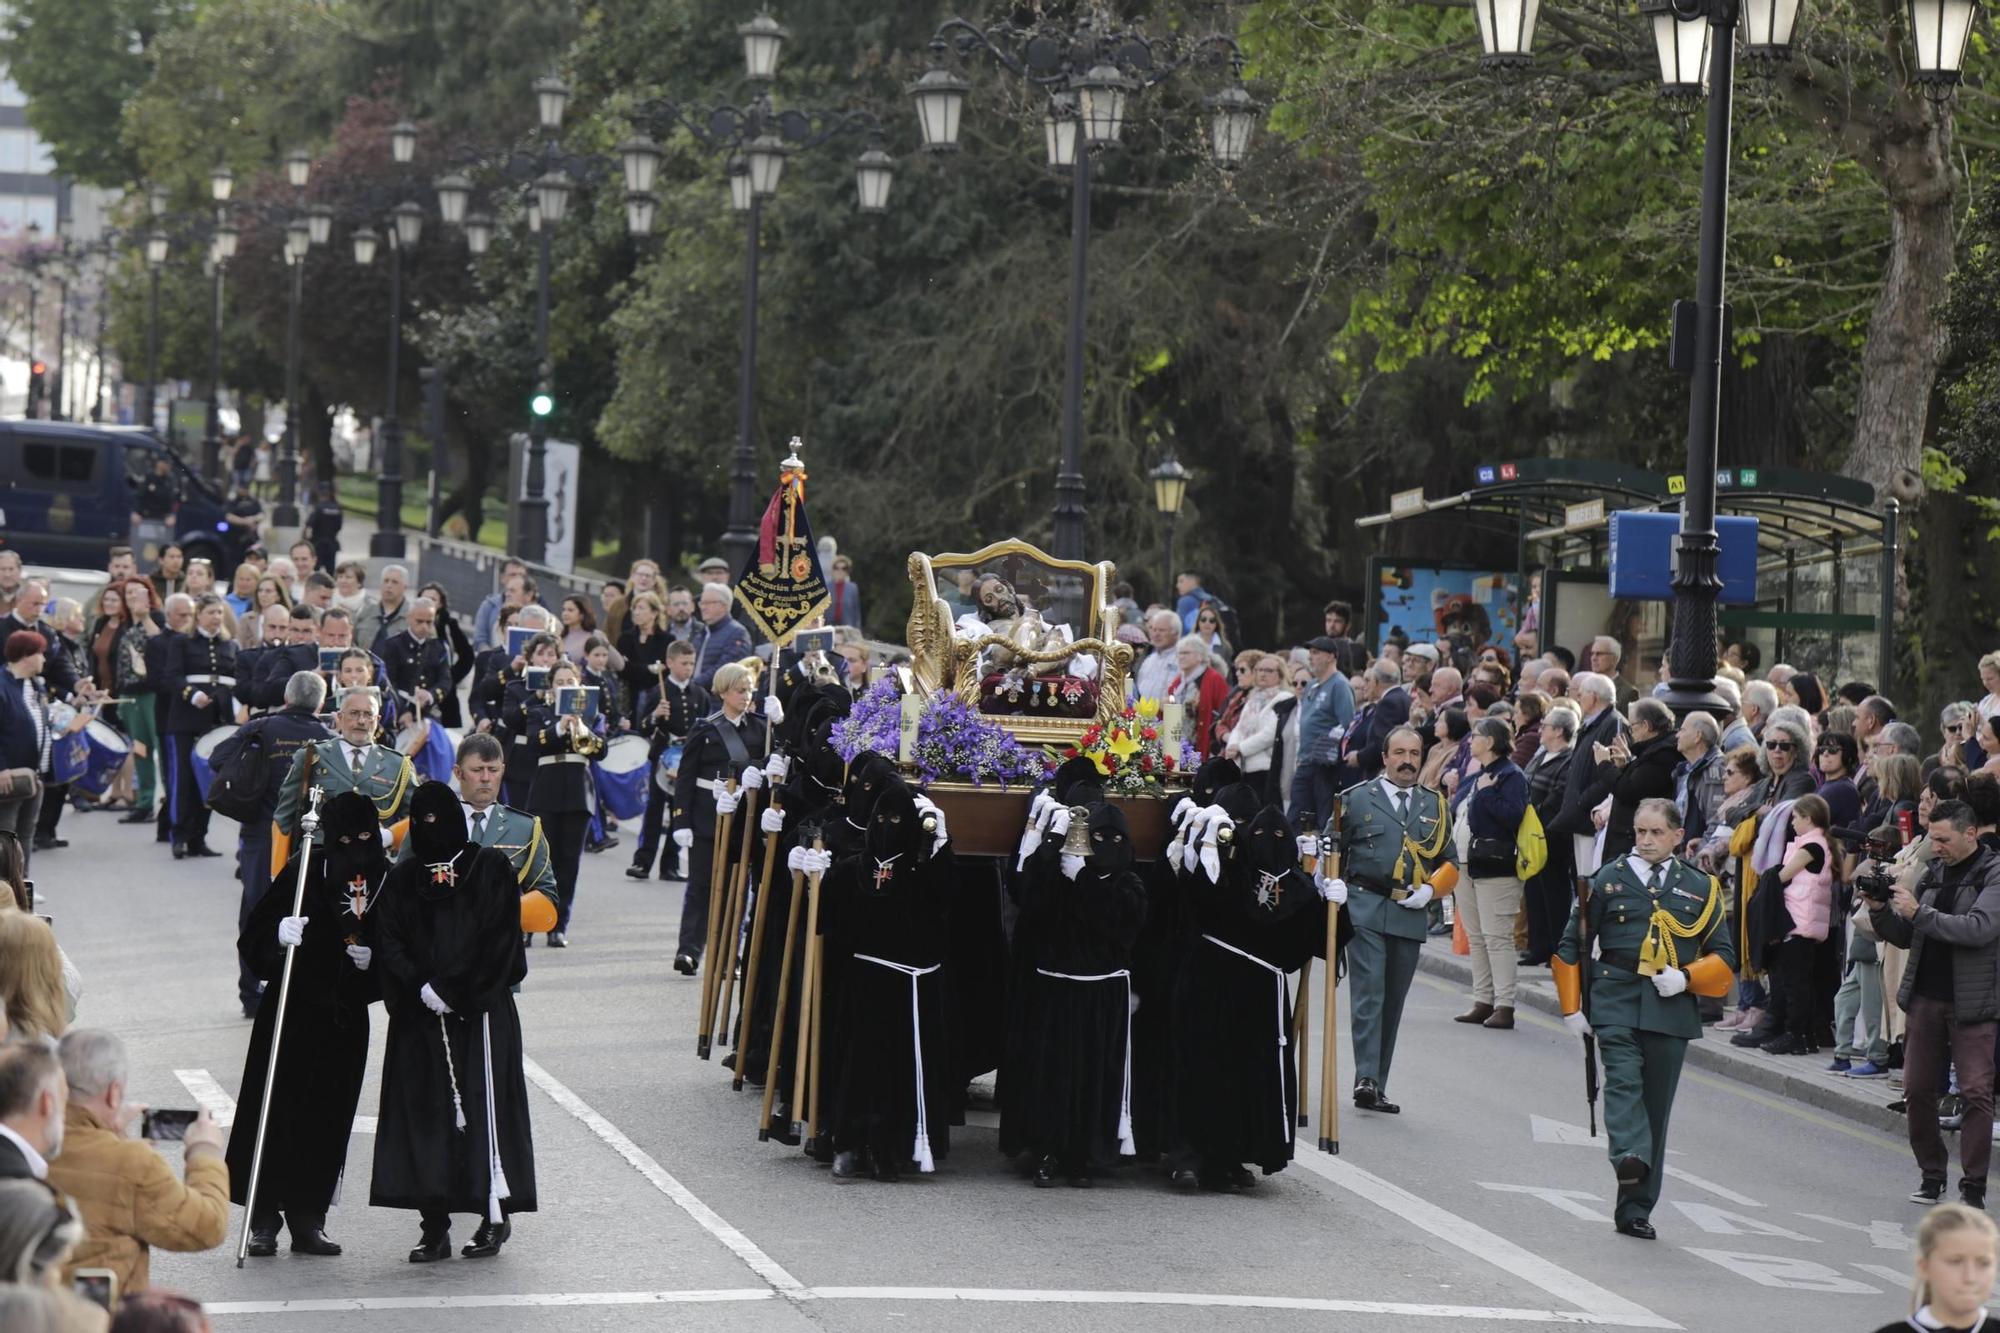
1661	940
348	761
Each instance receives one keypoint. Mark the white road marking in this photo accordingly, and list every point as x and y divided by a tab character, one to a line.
1895	1277
1564	1200
1604	1306
1882	1235
1720	1191
222	1106
1770	1270
982	1295
1561	1131
641	1161
1721	1222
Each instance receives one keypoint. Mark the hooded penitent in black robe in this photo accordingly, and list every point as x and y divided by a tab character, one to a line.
450	918
1156	964
1238	1074
810	797
886	918
323	1054
1069	1075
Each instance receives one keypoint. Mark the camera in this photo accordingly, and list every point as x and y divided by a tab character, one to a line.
1876	886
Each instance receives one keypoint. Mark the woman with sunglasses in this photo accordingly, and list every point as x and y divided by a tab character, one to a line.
1838	757
1956	722
1787	754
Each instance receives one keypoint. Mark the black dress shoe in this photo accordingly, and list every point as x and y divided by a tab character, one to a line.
1632	1169
486	1241
1242	1177
887	1171
50	844
202	849
137	817
558	940
1184	1178
1638	1228
684	964
1786	1043
847	1166
1369	1097
1079	1178
434	1245
1045	1173
637	872
314	1240
263	1244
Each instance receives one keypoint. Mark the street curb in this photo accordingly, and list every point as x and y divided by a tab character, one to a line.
1713	1053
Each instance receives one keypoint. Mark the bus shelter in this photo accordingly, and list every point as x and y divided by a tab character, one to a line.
1826	561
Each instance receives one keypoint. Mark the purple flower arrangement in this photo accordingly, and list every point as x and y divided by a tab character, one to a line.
874	724
954	743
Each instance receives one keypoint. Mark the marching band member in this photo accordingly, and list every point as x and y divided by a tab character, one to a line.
722	749
561	748
199	681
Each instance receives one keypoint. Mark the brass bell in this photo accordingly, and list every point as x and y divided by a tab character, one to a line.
1077	841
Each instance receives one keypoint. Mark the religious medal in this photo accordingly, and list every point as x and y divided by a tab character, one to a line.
1270	890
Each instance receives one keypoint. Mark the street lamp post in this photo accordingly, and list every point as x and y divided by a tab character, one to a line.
156	259
1090	74
1170	484
405	230
59	380
221	183
1695	41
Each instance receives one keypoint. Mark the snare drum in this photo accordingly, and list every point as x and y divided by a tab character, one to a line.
204	774
621	777
108	752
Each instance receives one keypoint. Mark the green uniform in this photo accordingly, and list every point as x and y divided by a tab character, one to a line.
517	834
386	777
1382	851
1642	1035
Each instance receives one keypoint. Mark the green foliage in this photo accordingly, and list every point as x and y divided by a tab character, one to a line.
78	61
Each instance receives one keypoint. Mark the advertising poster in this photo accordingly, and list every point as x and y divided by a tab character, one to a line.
1432	602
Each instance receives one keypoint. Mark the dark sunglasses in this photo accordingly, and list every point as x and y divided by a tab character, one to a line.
1783	746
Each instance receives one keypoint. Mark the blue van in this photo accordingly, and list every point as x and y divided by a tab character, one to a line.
66	493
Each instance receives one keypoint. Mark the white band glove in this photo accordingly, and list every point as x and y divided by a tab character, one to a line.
795	859
431	1000
725	801
361	955
1059	822
772	820
752	779
1420	898
774	709
1307	844
1577	1023
1183	810
683	838
199	699
388	837
1072	865
292	931
1039	812
809	861
1670	981
777	768
1333	890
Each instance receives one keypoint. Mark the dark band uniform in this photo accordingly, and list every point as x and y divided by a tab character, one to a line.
685	704
194	663
386	778
417	664
559	794
1644	919
717	752
274	670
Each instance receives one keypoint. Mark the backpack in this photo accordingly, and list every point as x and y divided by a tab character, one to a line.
1531	846
242	783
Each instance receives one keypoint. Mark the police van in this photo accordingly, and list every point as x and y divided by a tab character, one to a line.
68	492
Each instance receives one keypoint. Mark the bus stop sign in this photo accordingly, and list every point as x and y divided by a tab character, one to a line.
1642	556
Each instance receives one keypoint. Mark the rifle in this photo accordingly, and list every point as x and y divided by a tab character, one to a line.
1583	987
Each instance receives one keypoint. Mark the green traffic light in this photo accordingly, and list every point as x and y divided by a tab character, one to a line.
542	404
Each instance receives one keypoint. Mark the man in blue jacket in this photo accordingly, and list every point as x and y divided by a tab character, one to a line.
1325	711
726	641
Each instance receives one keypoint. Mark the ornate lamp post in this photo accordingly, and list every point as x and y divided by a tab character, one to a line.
1090	74
156	260
1170	484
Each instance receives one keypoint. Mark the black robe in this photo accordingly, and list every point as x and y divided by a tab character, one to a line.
464	941
1236	1073
871	1079
322	1058
1068	1093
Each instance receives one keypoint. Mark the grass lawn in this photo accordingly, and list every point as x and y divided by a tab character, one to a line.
357	495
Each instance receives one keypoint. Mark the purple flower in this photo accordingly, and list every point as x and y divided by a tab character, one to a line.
874	724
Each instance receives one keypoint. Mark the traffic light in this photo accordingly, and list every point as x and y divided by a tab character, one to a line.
37	373
542	403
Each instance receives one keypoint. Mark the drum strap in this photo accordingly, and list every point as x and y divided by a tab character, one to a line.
732	741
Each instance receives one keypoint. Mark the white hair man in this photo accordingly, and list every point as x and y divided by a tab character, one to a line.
723	639
1605	655
1590	774
1156	671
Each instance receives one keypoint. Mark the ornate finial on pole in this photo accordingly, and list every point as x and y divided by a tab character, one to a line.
793	462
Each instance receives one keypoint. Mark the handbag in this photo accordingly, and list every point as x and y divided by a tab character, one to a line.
19	784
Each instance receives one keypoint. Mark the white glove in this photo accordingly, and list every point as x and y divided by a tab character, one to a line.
431	1000
795	859
1039	812
752	778
199	699
1420	898
1059	822
1039	808
926	806
683	838
1307	844
361	955
1176	850
777	767
1183	810
1577	1023
772	820
725	801
292	931
1670	981
774	709
807	861
388	837
1333	890
1072	865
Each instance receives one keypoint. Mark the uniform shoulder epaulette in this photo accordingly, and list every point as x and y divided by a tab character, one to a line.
1355	788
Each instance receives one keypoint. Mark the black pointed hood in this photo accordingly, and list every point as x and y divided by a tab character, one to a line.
352	839
867	777
1110	842
1212	777
895	830
437	824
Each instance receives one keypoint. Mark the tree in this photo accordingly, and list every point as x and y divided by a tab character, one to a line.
78	61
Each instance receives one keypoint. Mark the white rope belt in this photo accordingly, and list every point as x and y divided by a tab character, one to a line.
1126	1147
920	1152
564	759
1284	995
211	679
496	1177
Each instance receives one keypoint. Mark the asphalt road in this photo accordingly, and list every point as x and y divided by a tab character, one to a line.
1484	1204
